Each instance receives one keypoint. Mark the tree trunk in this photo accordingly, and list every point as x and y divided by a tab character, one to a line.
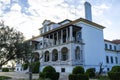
30	72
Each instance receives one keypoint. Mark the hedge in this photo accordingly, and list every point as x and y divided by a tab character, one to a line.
49	72
25	66
114	74
78	73
5	70
90	72
35	67
78	77
78	70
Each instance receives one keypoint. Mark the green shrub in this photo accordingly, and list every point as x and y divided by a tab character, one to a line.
78	70
41	75
103	77
72	77
56	76
115	69
5	70
114	75
78	77
35	67
25	66
49	69
82	77
90	72
49	72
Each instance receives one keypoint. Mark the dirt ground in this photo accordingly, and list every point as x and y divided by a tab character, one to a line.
18	75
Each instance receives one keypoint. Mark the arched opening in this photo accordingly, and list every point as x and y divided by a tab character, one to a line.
36	56
64	55
46	56
77	53
54	55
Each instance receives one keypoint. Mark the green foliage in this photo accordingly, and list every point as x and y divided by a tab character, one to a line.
78	77
72	77
25	66
115	69
114	74
5	70
49	72
83	77
35	67
103	78
90	72
78	73
78	70
9	41
4	77
42	75
49	69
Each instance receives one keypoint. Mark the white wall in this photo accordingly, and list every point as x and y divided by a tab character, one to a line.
94	44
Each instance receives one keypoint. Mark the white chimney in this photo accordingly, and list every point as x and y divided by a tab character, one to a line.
88	13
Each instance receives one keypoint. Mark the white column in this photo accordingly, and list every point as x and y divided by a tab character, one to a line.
61	36
53	38
66	34
57	39
49	40
59	55
43	43
71	33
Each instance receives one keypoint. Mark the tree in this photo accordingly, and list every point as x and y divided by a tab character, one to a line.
28	55
10	40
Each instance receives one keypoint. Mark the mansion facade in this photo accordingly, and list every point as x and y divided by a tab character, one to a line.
67	44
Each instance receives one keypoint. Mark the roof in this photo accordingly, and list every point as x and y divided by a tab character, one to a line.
75	21
113	41
116	41
71	23
33	38
64	21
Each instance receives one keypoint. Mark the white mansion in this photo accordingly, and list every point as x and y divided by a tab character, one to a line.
67	44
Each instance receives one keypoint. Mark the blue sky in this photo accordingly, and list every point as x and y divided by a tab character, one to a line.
27	15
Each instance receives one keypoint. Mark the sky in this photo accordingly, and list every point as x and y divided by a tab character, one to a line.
27	15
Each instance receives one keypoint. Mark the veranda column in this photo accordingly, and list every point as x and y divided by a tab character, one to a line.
53	39
71	33
49	40
43	42
66	34
57	39
61	36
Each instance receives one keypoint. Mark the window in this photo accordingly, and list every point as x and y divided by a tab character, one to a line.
46	57
64	55
108	69
106	47
115	48
116	60
62	69
111	59
77	53
107	59
54	55
110	47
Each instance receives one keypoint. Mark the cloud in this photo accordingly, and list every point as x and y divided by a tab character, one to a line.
28	16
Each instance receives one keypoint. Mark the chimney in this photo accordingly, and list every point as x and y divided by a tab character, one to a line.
88	13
